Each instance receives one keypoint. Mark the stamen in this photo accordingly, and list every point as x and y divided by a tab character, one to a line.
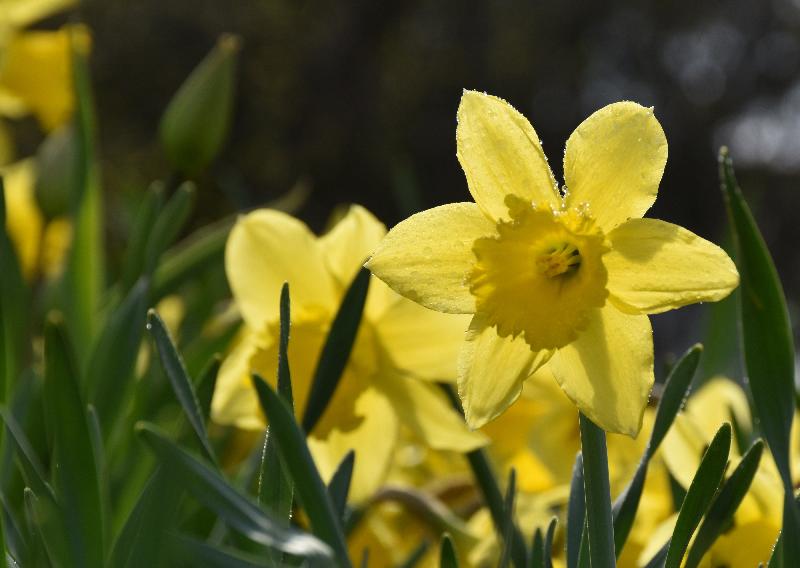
560	259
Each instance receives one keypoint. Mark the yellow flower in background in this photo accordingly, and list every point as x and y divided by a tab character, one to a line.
35	66
400	347
24	222
758	519
550	277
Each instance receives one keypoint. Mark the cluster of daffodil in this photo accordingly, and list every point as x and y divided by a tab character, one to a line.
362	396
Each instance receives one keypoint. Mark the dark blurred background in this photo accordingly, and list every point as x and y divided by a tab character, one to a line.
359	98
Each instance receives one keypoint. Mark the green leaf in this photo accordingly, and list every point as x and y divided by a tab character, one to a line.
768	344
447	556
206	384
15	541
537	550
339	486
75	479
336	351
700	494
180	381
85	269
205	248
720	514
598	494
144	534
48	527
508	521
211	489
146	216
275	487
168	225
193	552
309	487
676	389
548	543
32	470
576	513
113	358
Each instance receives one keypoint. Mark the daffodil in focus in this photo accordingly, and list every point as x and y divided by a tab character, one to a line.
35	65
564	278
399	350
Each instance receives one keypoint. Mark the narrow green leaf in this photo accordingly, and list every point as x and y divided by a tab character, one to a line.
548	543
537	550
113	357
74	464
657	561
339	486
447	555
336	351
700	494
598	494
211	489
47	526
85	269
168	225
146	216
143	536
584	559
32	470
193	552
720	513
205	248
509	526
206	384
309	487
576	513
181	383
275	485
768	343
676	389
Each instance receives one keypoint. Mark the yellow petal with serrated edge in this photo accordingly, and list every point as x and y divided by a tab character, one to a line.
267	248
428	257
655	266
501	154
374	441
614	161
427	412
608	371
491	371
422	342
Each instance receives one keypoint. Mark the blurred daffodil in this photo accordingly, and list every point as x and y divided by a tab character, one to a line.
759	516
400	346
564	278
35	66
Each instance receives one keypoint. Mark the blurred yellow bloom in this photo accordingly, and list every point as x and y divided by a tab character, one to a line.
35	66
24	222
399	348
759	516
563	278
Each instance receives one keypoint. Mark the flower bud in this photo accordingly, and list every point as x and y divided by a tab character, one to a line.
57	163
198	117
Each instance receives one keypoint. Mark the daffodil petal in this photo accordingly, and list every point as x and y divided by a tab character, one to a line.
374	441
235	402
267	248
608	371
492	370
425	410
501	154
428	257
655	266
614	161
21	14
349	243
422	342
24	221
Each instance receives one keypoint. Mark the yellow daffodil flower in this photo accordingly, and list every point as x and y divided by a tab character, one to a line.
399	349
35	66
24	222
566	277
